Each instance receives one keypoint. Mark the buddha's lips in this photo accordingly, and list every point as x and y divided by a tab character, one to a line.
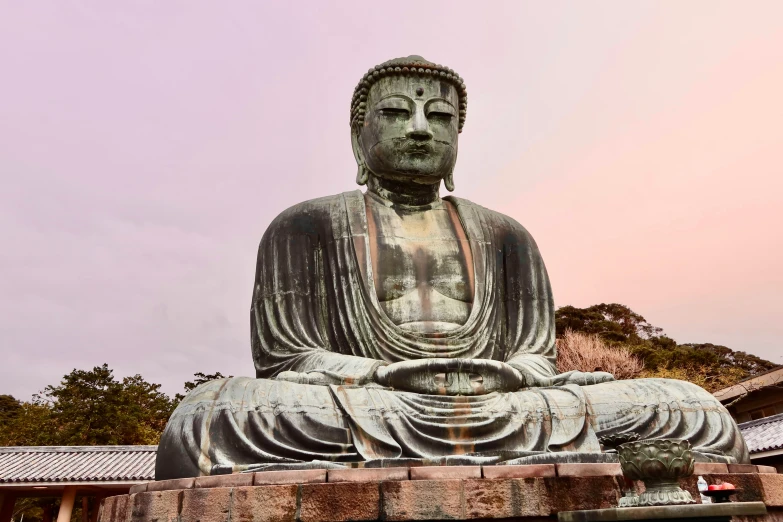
418	148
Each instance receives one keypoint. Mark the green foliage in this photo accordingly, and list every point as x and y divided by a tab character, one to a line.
9	408
30	426
745	361
708	365
90	407
615	323
93	408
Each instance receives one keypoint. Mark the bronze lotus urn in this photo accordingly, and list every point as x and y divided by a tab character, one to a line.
659	464
610	443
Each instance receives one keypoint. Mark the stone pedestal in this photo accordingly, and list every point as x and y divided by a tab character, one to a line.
535	493
685	513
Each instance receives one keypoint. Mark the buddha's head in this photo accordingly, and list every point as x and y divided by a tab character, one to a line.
406	116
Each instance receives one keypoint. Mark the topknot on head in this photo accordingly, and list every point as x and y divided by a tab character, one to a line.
413	65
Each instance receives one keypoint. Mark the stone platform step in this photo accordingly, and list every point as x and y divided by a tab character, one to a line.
691	513
398	495
356	474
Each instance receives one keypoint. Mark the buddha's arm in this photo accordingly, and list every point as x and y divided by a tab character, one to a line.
531	311
289	313
537	372
536	369
531	316
285	339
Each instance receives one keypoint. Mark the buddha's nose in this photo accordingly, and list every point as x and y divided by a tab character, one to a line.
420	127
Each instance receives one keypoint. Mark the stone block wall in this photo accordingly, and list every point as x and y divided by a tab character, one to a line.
530	493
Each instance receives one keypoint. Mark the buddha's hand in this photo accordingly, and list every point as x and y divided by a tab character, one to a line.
450	376
320	378
581	378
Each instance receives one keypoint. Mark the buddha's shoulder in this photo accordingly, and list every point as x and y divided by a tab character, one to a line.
505	228
308	216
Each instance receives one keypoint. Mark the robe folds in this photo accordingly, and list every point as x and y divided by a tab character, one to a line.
314	309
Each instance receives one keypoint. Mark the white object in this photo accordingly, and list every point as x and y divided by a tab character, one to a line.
702	484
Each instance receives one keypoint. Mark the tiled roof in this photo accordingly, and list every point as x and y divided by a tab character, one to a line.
763	434
23	464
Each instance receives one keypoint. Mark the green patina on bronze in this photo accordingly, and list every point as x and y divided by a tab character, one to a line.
394	324
414	67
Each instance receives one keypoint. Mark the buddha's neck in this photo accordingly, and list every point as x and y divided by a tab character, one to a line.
401	193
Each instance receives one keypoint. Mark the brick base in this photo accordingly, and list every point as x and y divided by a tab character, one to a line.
393	496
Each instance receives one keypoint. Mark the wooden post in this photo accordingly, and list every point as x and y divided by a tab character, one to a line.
66	504
85	509
7	501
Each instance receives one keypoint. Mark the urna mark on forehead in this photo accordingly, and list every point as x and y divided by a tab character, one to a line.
414	88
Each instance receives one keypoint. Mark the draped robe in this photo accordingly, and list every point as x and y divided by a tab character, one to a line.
315	309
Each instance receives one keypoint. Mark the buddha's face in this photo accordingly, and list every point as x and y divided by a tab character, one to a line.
410	129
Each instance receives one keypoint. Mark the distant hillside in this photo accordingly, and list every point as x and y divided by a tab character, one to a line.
708	365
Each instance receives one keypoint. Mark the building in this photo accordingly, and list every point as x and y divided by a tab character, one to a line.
765	440
65	472
757	406
754	398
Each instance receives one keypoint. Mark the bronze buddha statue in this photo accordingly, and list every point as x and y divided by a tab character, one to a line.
396	324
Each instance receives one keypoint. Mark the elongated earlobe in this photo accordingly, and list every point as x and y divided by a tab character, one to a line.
362	175
448	181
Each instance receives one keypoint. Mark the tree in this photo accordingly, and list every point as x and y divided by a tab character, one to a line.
9	408
589	353
31	425
711	366
90	407
615	323
728	357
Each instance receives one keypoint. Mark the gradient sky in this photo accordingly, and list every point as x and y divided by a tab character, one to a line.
145	147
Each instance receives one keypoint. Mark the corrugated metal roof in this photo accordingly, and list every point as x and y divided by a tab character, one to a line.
22	464
763	434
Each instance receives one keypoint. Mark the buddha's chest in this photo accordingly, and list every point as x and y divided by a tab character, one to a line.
422	264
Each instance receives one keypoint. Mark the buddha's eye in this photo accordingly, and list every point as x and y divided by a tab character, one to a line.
439	115
440	111
395	112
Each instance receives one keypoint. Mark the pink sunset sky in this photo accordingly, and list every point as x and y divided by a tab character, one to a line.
145	147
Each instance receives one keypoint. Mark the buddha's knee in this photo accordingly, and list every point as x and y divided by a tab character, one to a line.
679	390
662	393
248	391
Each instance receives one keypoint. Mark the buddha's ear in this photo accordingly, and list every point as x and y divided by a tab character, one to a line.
448	181
362	174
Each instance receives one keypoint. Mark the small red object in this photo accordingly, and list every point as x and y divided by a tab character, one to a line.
713	487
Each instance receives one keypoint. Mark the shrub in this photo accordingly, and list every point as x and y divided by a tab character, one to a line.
589	353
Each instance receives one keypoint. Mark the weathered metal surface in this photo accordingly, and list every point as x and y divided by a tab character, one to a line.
660	464
399	324
20	464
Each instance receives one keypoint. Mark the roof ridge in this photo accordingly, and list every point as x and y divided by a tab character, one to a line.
771	370
763	420
77	449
